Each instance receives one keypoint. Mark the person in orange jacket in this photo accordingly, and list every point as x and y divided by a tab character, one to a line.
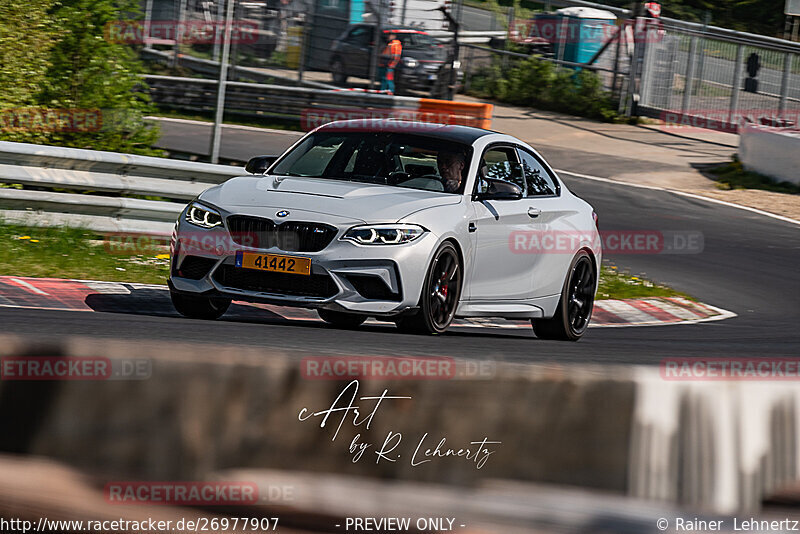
390	57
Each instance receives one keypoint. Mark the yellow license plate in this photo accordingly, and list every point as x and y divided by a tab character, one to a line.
274	262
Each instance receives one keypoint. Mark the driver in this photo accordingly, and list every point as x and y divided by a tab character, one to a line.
451	169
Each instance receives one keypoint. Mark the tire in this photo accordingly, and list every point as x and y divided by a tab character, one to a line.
341	319
199	307
337	72
571	319
441	292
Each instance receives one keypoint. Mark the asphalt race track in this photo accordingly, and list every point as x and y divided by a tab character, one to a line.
749	265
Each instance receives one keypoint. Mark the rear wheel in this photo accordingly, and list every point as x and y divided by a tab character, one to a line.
337	72
198	307
574	309
440	294
341	319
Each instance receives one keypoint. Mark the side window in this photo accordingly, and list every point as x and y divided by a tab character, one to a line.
501	163
538	180
359	36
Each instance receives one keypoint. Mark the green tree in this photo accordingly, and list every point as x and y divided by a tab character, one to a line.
27	34
88	70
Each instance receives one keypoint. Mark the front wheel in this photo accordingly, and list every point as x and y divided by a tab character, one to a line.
574	309
341	319
440	294
199	307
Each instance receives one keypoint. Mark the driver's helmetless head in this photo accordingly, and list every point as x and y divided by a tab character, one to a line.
451	167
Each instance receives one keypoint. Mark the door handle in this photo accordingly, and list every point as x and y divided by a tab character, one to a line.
473	227
534	212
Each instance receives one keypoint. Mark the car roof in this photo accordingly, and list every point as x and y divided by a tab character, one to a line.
448	132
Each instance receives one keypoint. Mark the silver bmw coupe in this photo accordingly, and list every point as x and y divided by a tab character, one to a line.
412	223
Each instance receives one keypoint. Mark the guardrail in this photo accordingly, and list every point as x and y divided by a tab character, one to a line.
211	68
85	188
311	107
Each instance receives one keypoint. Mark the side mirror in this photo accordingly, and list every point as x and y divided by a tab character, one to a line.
499	190
260	164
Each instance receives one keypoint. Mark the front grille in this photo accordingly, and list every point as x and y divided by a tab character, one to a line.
291	236
372	287
315	285
195	267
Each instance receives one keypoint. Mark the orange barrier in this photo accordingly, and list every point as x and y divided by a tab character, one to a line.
464	113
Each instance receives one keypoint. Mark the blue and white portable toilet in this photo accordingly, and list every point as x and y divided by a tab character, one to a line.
580	31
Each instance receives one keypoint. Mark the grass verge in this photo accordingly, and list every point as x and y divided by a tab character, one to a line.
74	253
621	284
734	176
82	254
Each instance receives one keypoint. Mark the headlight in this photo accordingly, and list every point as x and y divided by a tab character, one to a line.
410	62
383	234
203	216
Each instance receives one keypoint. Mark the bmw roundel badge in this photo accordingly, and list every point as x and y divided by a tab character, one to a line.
282	213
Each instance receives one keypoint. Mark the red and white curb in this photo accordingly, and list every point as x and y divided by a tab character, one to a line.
91	295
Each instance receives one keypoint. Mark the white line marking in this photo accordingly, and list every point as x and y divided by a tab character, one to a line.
681	193
108	288
48	308
29	287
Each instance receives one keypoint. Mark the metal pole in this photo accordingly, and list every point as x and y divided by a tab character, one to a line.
179	32
737	83
217	18
702	60
787	70
148	17
233	59
468	73
509	22
308	24
615	93
403	13
687	85
223	78
377	41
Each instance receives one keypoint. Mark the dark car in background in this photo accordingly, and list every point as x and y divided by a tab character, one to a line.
421	60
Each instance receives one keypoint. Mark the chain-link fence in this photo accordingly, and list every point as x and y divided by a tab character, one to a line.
708	76
323	41
711	79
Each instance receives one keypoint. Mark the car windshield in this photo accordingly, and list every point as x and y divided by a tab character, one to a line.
386	158
414	40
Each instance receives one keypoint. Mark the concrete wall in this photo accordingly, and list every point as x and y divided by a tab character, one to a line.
771	151
719	446
209	408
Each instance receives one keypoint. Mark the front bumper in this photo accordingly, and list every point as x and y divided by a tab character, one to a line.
373	280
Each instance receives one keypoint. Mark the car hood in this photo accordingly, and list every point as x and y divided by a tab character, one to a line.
346	200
